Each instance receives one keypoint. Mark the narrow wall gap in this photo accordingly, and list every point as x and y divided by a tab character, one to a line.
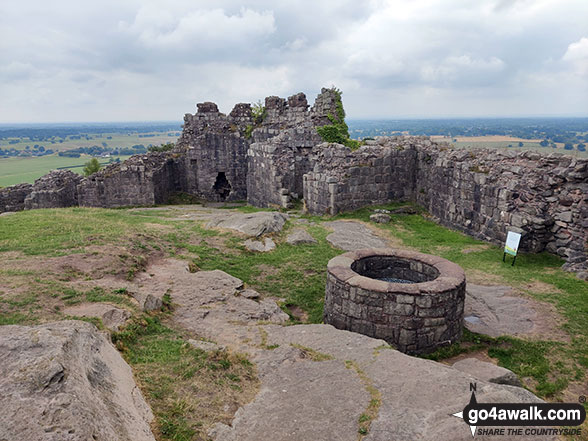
222	187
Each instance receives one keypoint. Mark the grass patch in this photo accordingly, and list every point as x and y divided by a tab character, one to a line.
527	359
373	408
299	270
54	232
71	296
188	389
16	319
311	353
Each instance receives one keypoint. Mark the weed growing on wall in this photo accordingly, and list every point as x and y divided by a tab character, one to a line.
338	131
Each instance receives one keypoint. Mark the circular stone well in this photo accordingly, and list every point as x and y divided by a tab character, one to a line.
413	301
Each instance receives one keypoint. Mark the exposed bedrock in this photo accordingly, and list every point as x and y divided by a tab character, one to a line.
64	381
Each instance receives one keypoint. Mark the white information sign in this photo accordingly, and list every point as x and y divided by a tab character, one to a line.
512	243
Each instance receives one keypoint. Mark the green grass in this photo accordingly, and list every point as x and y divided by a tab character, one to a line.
16	319
18	170
525	358
95	295
118	140
176	376
56	231
299	273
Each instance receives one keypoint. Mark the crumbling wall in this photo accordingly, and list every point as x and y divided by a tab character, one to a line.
282	150
54	190
343	180
486	193
215	148
482	192
141	180
13	198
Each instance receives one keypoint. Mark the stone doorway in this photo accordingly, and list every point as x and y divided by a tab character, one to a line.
222	187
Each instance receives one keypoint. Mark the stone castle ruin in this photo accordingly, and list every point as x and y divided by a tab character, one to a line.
276	158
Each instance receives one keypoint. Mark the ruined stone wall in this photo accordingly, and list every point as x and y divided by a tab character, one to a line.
484	193
141	180
54	190
13	198
282	150
215	147
344	180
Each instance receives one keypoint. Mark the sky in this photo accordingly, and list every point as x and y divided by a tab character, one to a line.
133	60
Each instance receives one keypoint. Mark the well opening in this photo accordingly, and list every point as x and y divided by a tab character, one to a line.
414	301
395	269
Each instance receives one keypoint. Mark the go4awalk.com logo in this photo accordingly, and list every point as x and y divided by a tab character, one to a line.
504	418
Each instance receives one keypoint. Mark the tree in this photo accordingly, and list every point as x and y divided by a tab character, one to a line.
91	167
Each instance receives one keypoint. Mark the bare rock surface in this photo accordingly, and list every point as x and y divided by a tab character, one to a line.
251	224
212	307
304	399
486	371
112	317
491	311
262	247
351	236
206	345
63	382
300	236
316	381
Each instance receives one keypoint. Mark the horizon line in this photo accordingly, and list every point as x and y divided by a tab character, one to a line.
389	118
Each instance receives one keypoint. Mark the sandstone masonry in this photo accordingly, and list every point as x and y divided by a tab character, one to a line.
482	192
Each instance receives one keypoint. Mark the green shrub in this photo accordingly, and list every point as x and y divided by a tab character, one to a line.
91	167
338	131
162	148
259	112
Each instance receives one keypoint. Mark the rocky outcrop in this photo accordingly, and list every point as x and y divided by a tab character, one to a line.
318	383
300	236
251	224
486	371
63	382
351	236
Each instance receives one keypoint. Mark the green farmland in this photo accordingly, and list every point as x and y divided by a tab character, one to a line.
18	170
112	140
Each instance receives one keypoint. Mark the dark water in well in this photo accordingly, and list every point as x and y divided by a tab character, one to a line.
393	280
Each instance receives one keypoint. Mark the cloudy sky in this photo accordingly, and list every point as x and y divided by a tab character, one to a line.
130	60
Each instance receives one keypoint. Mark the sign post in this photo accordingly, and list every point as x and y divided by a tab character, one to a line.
512	245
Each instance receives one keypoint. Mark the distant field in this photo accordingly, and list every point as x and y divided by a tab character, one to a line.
504	142
117	140
19	170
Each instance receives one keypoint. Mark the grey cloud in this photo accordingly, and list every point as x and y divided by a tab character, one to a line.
154	59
